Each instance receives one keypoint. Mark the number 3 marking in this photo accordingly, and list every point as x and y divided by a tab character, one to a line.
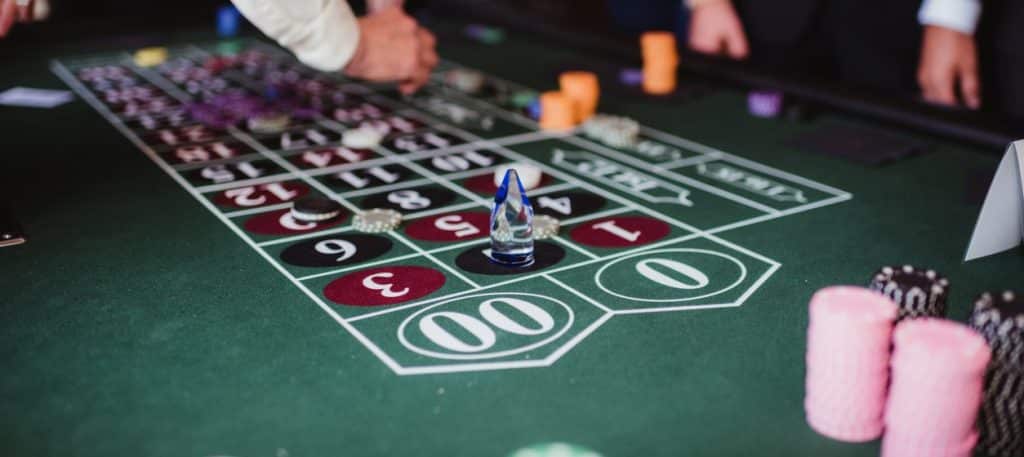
385	288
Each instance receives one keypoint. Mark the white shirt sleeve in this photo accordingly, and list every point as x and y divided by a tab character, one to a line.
322	33
959	15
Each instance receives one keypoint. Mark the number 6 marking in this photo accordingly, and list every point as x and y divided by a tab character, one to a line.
385	288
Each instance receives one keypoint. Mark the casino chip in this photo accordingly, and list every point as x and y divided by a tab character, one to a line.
270	122
522	99
150	57
377	220
765	103
529	175
315	209
631	77
554	450
545	227
938	378
919	292
1000	320
361	138
465	80
614	131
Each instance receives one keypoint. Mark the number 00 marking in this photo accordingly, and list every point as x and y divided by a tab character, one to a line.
486	327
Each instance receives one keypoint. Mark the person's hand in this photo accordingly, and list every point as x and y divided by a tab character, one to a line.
392	47
12	11
427	61
949	61
715	27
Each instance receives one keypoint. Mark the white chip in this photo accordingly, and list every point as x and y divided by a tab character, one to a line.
465	80
529	175
361	138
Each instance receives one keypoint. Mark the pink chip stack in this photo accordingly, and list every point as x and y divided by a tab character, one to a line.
848	342
938	369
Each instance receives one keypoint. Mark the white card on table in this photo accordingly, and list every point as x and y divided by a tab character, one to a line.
34	98
1000	224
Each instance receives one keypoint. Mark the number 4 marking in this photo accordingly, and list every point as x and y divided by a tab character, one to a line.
561	204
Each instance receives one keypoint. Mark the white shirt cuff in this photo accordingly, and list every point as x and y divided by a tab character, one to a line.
323	34
959	15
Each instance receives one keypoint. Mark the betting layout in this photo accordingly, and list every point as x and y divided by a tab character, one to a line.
639	222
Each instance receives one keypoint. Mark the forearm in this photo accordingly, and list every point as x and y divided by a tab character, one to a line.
323	34
959	15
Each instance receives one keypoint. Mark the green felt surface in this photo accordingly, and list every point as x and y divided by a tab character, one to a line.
135	323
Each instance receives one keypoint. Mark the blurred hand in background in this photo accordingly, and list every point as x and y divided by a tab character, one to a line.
12	11
715	29
393	47
949	64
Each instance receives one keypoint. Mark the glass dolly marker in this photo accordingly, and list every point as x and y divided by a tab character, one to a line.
511	224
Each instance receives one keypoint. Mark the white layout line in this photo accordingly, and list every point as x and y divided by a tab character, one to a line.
653	133
87	95
473	142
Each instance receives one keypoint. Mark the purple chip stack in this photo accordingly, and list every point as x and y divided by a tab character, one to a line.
631	76
765	103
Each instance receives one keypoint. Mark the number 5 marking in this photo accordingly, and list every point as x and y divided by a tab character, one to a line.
385	288
454	223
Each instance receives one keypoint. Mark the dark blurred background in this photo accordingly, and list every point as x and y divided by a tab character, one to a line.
611	27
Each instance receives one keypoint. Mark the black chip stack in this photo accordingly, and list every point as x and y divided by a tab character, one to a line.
1000	319
919	292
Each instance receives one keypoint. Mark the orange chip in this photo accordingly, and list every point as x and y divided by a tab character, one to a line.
584	90
557	111
659	80
658	45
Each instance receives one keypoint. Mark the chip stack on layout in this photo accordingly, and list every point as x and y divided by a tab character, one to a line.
584	90
661	58
1000	320
938	372
920	292
848	341
557	111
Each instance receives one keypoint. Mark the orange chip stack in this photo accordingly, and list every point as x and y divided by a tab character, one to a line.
557	111
584	90
660	61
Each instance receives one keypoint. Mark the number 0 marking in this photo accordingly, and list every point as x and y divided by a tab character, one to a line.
699	279
692	280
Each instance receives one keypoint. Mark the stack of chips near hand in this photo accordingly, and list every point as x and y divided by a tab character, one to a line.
661	59
938	372
848	341
937	368
584	90
575	102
